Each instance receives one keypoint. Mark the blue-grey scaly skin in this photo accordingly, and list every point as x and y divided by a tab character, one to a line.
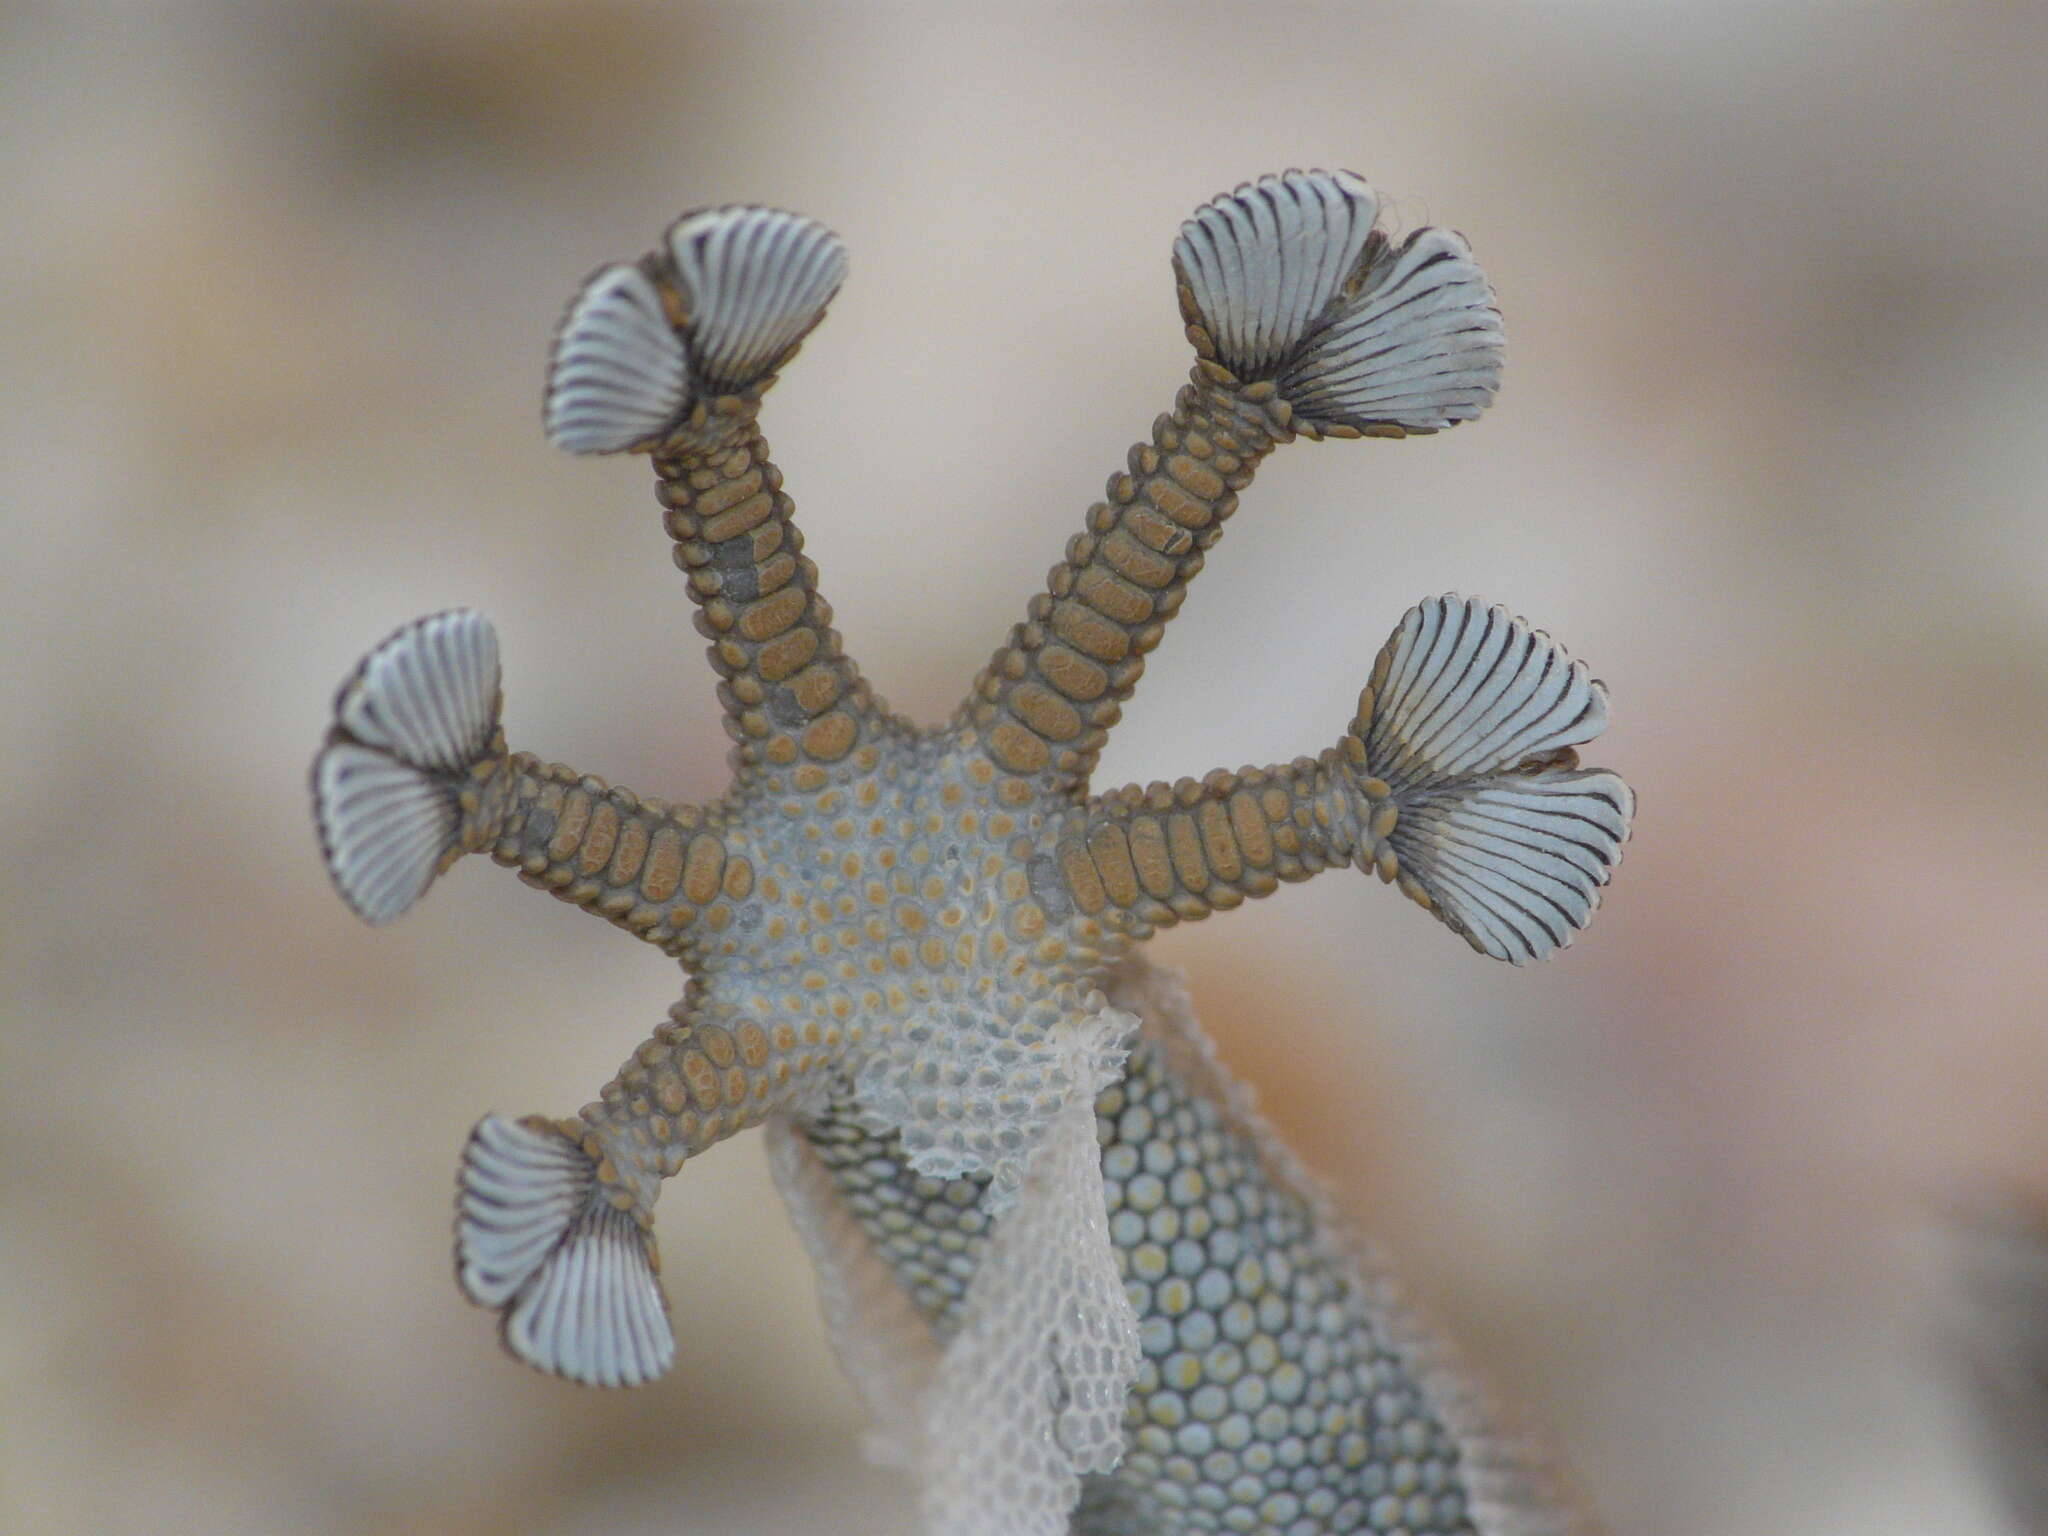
894	935
1274	1394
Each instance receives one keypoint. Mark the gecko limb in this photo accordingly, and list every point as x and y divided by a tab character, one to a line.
1080	1283
1457	778
571	1273
1283	1383
1306	320
664	873
555	1218
1464	747
671	356
414	771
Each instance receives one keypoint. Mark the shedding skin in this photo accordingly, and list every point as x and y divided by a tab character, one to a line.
894	936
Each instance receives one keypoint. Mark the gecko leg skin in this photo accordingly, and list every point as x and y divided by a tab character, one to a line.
1080	1283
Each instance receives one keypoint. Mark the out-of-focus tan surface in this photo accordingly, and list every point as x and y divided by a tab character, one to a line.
274	302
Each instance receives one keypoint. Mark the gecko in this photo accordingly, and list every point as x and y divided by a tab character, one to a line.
1076	1278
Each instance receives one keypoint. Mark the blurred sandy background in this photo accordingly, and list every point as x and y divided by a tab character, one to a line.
275	295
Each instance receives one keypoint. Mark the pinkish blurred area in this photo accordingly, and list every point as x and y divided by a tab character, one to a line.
1771	456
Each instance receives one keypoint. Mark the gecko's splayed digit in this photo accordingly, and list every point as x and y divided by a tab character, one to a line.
1464	745
538	1236
410	777
1290	279
1114	1303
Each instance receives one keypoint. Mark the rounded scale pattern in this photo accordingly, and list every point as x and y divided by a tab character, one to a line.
1029	1395
892	933
1270	1396
966	1090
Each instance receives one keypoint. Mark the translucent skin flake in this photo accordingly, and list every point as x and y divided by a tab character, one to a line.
1075	1277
